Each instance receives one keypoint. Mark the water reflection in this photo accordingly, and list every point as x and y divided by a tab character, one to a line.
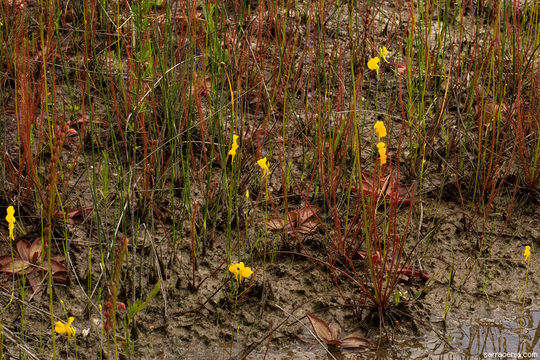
482	337
467	339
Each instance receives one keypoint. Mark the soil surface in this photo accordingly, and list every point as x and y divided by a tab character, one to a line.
437	316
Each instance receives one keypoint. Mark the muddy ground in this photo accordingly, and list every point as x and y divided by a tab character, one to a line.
472	302
186	323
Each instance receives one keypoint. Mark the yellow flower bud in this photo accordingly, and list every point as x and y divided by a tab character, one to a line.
373	64
263	163
380	129
527	253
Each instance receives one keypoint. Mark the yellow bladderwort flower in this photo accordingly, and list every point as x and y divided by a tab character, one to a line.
240	271
263	163
380	129
527	253
234	147
247	194
382	152
373	64
384	51
63	328
11	221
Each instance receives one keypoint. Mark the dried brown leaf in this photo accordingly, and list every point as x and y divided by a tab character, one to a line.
15	266
323	331
34	280
308	227
301	220
5	260
57	267
34	251
306	213
354	341
275	223
22	247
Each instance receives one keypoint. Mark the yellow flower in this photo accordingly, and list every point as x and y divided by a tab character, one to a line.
527	253
240	271
11	221
373	64
263	163
234	147
384	51
382	152
380	129
247	194
63	328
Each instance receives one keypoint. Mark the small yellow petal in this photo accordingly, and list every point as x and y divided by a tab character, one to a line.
63	328
247	194
234	147
527	253
240	271
10	211
384	51
380	129
373	64
11	221
236	269
246	272
59	327
9	217
263	163
382	152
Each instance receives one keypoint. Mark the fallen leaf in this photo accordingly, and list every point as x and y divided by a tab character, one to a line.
34	280
301	220
22	247
275	223
35	250
329	335
15	266
354	341
75	214
32	265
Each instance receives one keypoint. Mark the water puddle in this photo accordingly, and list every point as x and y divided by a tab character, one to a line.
493	338
496	338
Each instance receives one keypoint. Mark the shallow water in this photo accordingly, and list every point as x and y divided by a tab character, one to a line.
466	338
487	338
470	338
